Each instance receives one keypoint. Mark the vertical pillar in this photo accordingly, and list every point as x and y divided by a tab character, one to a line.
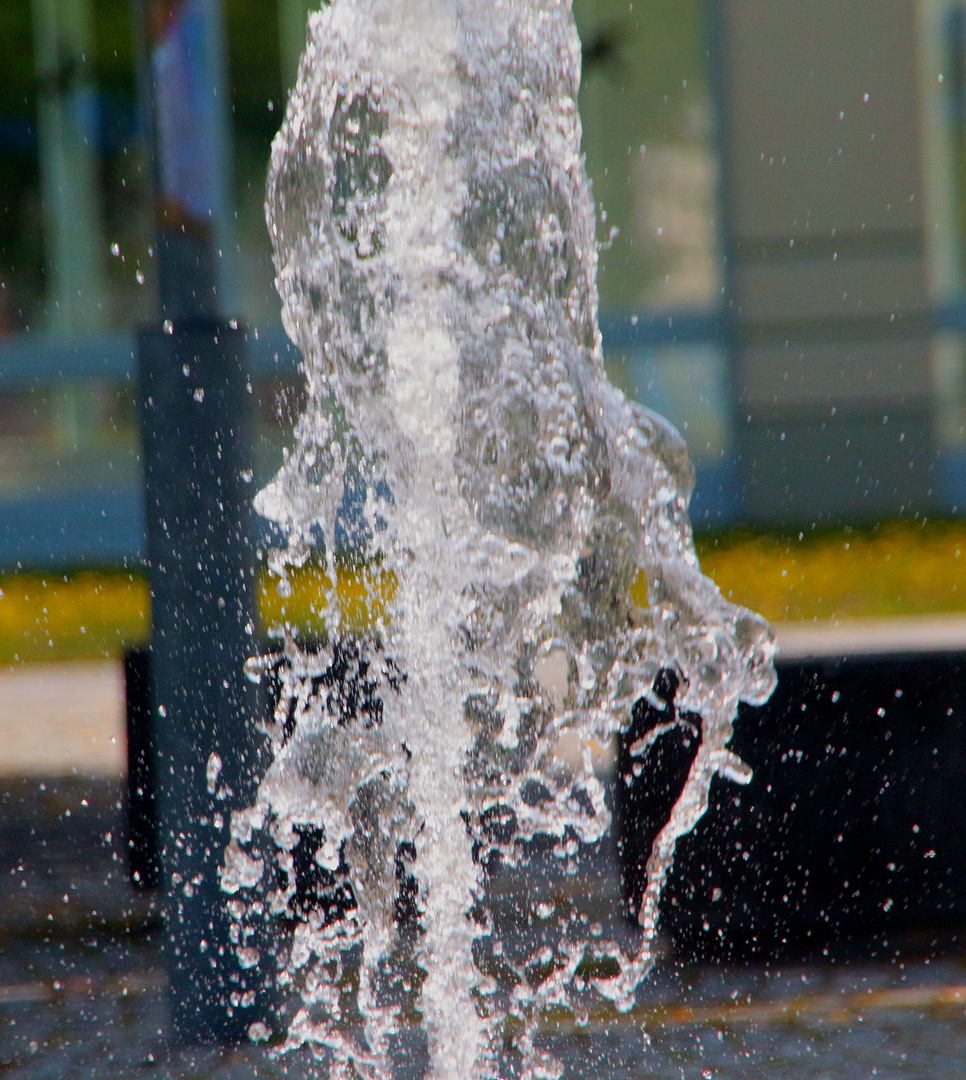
197	447
942	81
67	129
73	235
186	103
197	438
142	784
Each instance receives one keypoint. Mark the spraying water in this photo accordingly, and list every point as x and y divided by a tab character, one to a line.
436	259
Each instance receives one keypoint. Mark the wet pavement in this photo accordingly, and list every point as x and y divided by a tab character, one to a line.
83	991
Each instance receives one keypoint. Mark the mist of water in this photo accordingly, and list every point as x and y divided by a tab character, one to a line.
436	258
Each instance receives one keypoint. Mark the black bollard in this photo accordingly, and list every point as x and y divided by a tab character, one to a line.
144	868
196	427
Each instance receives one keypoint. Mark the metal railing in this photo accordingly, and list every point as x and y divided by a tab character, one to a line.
104	525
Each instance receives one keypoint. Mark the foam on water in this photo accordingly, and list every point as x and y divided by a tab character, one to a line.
436	259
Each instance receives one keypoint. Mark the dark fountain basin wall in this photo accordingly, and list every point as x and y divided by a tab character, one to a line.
853	828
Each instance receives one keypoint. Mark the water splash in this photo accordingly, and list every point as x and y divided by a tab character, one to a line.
436	259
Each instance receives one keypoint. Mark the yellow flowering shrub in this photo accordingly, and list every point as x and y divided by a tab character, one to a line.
96	614
362	593
80	616
904	568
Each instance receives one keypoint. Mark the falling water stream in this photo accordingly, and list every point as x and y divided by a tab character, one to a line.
436	258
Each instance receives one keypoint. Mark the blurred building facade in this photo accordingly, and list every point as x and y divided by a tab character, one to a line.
839	245
785	281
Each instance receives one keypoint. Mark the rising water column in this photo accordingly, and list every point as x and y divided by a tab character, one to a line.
436	260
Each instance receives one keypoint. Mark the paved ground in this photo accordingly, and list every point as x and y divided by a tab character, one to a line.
83	987
917	634
62	719
68	718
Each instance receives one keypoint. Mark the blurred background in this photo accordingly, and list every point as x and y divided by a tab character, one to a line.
782	200
781	191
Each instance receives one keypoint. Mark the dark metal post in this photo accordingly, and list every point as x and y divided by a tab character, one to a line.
196	426
142	818
184	101
197	445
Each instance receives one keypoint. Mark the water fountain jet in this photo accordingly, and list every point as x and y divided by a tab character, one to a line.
436	258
